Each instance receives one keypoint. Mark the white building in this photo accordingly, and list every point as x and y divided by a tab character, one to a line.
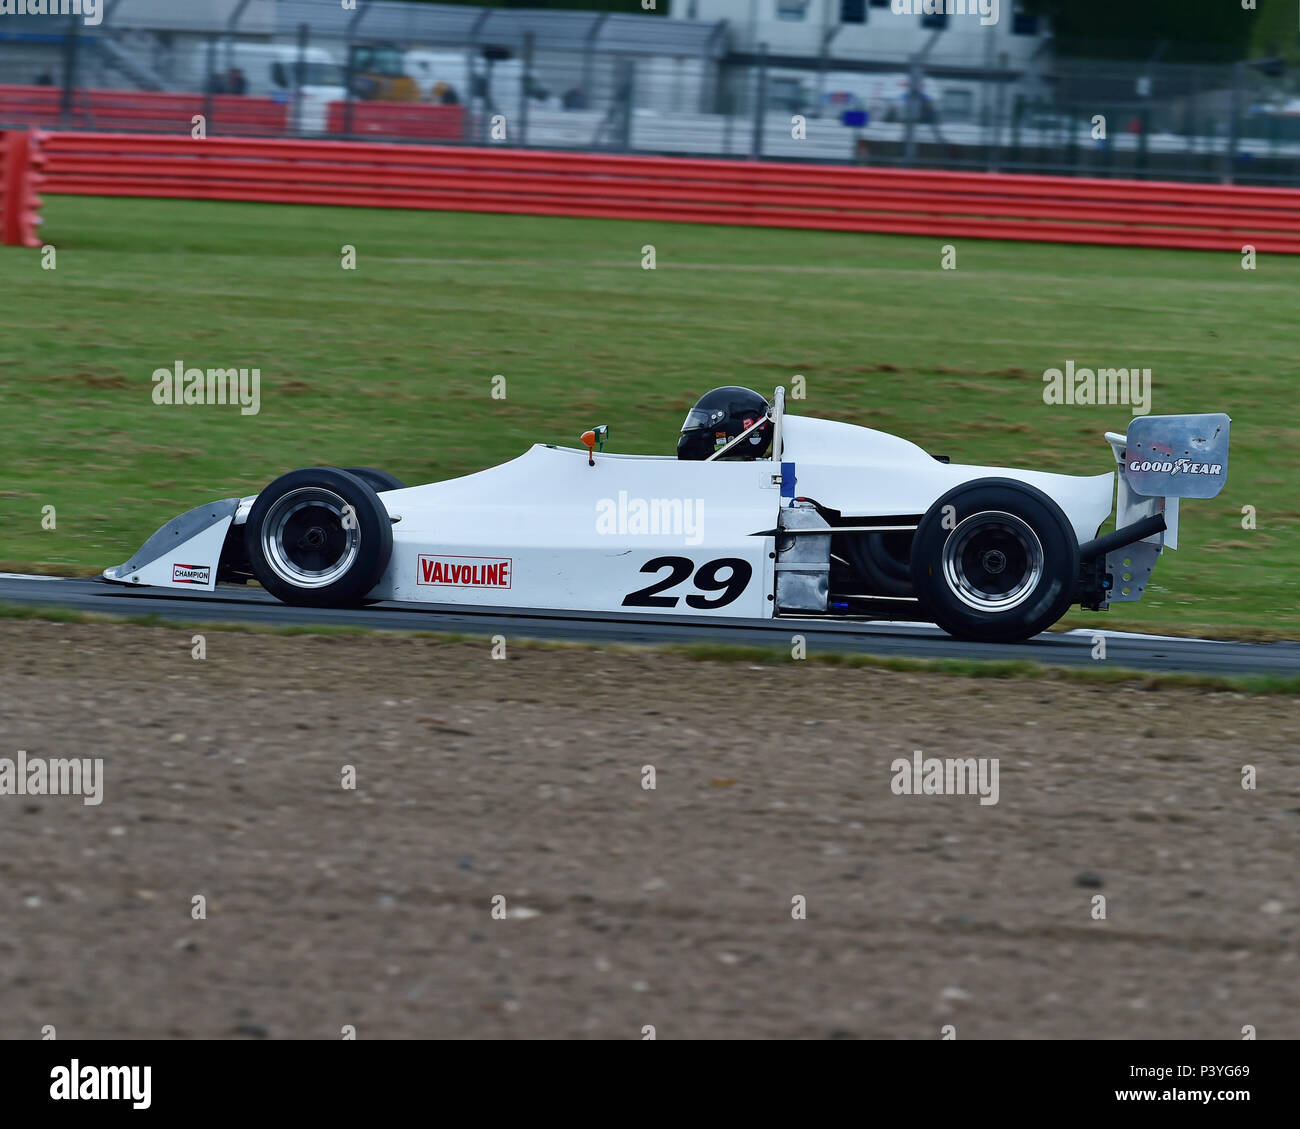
977	31
827	56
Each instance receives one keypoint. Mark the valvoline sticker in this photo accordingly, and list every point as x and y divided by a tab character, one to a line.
464	572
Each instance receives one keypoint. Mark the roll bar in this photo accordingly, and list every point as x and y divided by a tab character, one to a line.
774	413
778	413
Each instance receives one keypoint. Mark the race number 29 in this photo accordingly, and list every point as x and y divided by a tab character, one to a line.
737	574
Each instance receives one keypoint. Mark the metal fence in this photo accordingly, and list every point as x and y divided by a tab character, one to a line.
634	83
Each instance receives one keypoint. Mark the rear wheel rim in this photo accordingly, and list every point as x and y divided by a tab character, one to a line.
310	537
993	561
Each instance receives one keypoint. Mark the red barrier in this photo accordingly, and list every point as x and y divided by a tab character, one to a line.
413	120
844	198
129	109
20	184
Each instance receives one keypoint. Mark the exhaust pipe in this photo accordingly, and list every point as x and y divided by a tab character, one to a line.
1122	538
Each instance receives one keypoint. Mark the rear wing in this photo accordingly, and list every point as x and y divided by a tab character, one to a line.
1164	458
1161	460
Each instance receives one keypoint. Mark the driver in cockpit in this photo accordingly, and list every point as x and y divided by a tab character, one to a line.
721	415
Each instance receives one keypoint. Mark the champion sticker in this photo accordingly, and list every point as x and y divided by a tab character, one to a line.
191	574
464	572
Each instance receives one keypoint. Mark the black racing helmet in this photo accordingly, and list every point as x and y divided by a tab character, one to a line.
718	417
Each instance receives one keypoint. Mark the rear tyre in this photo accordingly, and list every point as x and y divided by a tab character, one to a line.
318	537
1000	566
377	480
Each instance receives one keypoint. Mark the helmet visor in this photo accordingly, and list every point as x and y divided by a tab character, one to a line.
702	417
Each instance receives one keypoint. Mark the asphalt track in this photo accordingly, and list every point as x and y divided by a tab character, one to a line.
906	640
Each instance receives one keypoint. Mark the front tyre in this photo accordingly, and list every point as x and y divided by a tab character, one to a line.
996	561
377	480
318	537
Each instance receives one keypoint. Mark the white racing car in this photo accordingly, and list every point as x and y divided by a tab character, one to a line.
759	514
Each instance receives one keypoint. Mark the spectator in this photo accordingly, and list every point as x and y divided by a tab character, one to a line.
574	99
45	79
236	83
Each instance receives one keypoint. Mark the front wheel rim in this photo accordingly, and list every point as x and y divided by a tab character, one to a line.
993	561
310	537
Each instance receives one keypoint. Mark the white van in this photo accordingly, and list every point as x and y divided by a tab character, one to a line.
270	70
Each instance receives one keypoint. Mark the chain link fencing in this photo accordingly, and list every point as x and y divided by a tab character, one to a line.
631	83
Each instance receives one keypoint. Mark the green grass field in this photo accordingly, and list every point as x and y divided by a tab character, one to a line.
392	364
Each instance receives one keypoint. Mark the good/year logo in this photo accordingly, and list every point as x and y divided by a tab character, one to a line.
1175	466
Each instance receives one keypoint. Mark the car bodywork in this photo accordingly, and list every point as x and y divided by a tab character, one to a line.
565	528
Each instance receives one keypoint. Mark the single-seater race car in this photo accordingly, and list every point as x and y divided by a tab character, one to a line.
760	514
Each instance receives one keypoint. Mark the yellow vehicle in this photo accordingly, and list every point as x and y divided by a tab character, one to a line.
378	74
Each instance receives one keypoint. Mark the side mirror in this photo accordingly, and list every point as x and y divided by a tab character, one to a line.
590	439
